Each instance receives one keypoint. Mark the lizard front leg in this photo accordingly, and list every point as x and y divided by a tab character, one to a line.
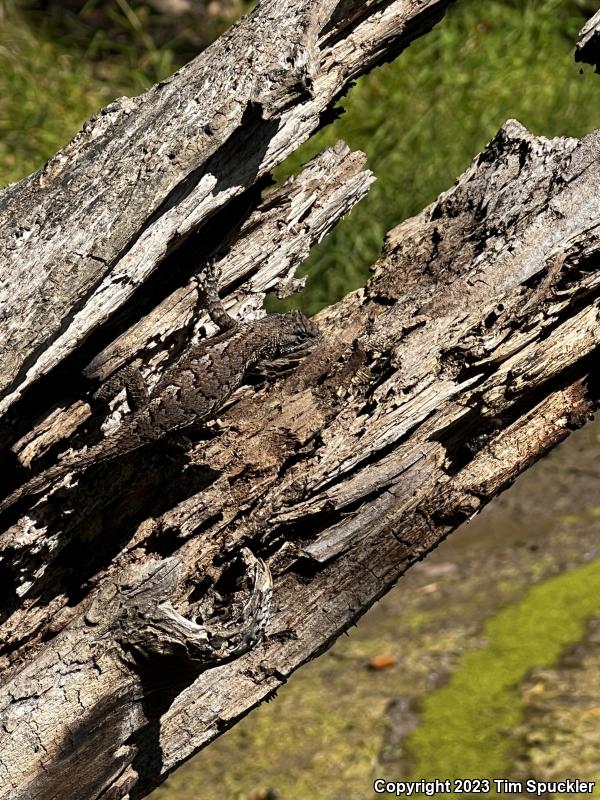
208	288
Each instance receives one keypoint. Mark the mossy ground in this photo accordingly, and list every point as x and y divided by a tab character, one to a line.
480	705
474	630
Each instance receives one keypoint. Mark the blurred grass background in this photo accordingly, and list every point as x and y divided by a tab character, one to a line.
420	120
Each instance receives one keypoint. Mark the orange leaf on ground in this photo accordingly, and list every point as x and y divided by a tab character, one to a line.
382	662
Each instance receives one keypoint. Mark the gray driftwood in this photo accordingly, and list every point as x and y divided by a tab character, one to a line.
471	351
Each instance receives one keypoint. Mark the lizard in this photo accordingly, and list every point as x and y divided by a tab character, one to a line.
192	390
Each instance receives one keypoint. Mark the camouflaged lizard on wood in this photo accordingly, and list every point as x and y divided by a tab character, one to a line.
193	389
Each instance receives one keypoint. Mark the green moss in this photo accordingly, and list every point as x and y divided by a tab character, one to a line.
586	515
570	519
466	726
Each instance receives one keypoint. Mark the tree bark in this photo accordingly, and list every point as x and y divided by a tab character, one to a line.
468	355
81	235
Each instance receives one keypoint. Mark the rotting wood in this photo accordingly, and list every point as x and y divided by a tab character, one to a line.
471	352
83	233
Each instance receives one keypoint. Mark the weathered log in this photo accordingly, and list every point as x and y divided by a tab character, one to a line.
588	46
82	234
468	355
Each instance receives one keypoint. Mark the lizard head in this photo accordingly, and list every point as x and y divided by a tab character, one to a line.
296	332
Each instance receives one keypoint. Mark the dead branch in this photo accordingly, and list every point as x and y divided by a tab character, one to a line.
469	354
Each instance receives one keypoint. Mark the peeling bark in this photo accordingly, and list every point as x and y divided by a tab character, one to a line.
82	234
470	353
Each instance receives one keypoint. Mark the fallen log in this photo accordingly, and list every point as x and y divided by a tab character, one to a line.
82	234
468	355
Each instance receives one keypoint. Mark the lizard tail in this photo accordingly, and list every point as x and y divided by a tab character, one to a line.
113	447
34	486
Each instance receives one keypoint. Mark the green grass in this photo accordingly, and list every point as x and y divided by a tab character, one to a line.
40	107
47	90
420	120
424	117
465	727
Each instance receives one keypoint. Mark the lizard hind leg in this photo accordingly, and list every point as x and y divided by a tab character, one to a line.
208	289
129	378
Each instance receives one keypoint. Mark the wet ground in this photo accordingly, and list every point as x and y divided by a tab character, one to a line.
488	656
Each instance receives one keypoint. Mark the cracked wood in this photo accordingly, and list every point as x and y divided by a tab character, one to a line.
472	351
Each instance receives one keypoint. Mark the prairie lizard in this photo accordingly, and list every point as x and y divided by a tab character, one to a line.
192	390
